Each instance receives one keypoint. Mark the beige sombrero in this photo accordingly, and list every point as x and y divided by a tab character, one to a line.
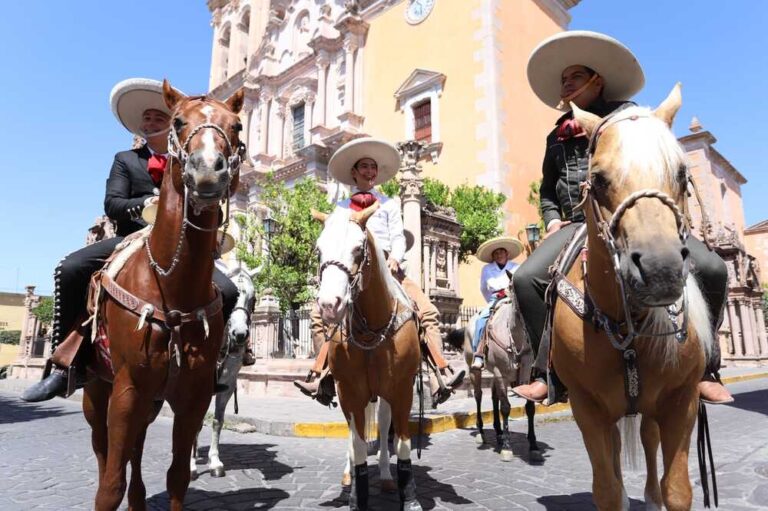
132	97
612	60
513	246
149	213
383	153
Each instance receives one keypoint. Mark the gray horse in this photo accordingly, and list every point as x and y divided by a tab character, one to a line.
509	359
230	362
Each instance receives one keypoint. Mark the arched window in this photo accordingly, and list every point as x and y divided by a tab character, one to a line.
244	28
224	40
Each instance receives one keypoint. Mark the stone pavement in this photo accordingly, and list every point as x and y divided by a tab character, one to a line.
46	463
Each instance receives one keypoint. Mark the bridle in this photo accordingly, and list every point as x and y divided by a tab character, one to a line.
353	315
179	151
607	232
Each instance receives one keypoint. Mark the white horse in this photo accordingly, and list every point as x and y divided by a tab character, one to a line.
387	484
230	362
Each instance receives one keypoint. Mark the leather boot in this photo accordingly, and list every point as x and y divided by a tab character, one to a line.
54	384
248	358
536	391
714	393
320	388
456	378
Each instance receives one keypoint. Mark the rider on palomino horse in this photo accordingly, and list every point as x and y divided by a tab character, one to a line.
494	281
598	74
133	184
363	164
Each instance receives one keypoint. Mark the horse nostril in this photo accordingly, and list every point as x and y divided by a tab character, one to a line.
219	165
685	253
636	259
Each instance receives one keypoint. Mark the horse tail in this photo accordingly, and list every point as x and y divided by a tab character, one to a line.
455	339
371	430
630	441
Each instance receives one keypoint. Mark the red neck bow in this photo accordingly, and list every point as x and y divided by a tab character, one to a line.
362	200
569	128
156	167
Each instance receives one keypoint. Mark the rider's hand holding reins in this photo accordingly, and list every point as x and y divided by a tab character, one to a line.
393	266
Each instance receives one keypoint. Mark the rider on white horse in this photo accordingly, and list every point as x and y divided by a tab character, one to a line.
494	280
363	164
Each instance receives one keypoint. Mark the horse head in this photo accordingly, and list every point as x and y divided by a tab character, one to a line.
205	138
635	191
238	327
343	253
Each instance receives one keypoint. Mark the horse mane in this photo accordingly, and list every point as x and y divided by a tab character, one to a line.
635	138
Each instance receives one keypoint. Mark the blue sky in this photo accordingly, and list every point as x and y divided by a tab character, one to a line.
62	59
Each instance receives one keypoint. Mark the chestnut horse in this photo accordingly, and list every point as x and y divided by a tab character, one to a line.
162	314
644	352
374	338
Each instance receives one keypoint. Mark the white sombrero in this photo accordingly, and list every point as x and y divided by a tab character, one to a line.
132	97
612	60
149	213
383	153
512	245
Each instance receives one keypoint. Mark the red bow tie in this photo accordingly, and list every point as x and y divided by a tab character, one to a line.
362	200
569	128
156	167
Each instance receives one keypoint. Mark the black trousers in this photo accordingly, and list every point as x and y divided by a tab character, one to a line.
532	278
73	275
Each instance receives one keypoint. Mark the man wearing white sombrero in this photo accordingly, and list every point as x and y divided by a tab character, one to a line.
598	74
363	164
133	184
494	280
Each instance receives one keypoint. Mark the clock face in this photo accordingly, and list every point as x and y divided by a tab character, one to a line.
418	10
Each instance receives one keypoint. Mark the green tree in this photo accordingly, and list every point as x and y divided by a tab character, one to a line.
478	210
10	336
391	188
534	199
44	310
290	253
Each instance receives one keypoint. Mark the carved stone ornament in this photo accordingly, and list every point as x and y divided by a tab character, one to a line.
352	7
410	154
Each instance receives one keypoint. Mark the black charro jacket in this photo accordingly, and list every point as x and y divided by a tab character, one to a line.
565	166
128	186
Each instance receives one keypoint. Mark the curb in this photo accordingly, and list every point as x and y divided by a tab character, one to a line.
459	420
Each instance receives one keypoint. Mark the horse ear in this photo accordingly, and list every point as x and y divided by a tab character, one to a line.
587	120
668	108
361	217
319	215
171	96
235	102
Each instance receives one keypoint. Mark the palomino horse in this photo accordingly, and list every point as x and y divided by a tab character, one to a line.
509	360
375	342
642	302
230	362
162	314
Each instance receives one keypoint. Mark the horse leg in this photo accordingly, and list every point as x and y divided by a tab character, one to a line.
385	419
534	453
137	493
649	433
496	417
186	423
406	484
476	377
506	445
597	431
675	426
358	454
95	405
126	417
193	474
214	461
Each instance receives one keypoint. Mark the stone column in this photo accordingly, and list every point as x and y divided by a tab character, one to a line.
433	264
322	78
264	326
358	101
264	124
761	333
735	340
449	266
278	130
456	279
746	325
424	277
349	75
309	107
411	185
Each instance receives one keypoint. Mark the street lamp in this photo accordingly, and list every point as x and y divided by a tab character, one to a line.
270	227
533	234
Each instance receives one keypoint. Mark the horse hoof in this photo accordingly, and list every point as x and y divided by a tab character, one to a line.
506	455
479	440
193	475
218	472
346	480
536	456
412	506
388	486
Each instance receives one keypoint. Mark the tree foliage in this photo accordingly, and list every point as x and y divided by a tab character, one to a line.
10	336
478	210
288	261
534	199
44	310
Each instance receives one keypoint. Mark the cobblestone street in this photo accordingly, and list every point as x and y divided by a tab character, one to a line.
46	463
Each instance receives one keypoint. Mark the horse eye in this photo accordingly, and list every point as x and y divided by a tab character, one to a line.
178	123
599	181
237	127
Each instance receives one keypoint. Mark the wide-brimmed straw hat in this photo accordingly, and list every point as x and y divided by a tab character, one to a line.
383	153
132	97
513	246
618	66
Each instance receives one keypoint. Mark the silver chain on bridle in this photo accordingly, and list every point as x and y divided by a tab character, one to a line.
180	152
607	232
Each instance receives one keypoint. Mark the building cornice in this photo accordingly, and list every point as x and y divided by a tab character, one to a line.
558	10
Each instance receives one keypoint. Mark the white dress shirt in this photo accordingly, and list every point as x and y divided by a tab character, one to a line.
494	279
386	224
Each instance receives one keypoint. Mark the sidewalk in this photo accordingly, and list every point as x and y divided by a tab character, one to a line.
302	417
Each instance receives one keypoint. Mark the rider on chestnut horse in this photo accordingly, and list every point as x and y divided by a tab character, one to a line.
598	74
363	164
133	184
